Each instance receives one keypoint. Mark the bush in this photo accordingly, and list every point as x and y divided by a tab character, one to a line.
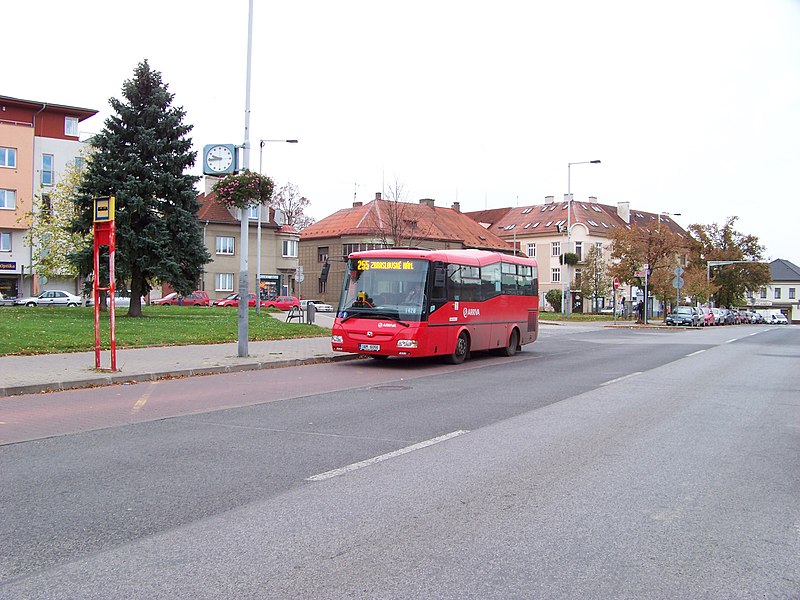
554	298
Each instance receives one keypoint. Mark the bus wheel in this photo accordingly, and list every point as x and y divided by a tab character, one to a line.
462	350
513	343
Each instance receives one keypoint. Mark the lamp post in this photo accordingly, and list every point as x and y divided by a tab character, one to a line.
677	289
258	235
569	226
243	287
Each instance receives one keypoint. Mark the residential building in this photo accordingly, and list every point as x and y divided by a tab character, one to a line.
37	142
325	245
540	231
222	237
781	295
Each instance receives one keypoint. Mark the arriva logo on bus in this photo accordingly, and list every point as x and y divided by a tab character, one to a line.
472	312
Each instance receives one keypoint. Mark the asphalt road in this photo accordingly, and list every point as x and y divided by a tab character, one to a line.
598	463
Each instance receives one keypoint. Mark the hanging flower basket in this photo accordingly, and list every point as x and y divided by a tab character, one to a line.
569	258
244	189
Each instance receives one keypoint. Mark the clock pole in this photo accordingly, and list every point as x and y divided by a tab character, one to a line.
243	268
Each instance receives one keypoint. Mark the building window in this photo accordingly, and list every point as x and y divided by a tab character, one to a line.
322	254
289	249
347	249
579	250
80	163
791	293
71	126
224	245
8	157
578	275
46	211
777	293
252	212
8	199
532	250
5	241
223	282
556	274
556	248
47	169
763	292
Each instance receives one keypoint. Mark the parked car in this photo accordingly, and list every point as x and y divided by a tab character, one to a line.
778	319
282	302
122	299
50	298
758	318
318	304
233	300
167	300
707	317
196	298
684	315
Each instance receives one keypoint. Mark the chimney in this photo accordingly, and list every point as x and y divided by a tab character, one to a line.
624	211
592	199
357	204
549	199
457	206
566	198
377	195
209	182
427	202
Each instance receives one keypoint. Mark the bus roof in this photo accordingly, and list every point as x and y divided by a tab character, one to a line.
461	256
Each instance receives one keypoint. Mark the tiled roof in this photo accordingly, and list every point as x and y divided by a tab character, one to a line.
432	223
783	270
214	212
544	219
489	216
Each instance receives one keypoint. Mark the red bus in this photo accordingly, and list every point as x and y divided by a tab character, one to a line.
412	303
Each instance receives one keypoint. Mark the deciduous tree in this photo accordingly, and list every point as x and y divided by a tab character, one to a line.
288	200
729	283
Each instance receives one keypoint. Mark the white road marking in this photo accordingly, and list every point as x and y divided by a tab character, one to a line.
733	340
382	457
695	353
621	378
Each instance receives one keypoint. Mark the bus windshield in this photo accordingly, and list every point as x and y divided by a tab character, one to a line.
385	288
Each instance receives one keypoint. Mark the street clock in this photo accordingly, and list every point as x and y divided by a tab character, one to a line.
219	159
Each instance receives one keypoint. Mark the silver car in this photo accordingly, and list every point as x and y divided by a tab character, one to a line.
50	298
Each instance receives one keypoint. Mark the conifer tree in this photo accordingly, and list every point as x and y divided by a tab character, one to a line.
141	157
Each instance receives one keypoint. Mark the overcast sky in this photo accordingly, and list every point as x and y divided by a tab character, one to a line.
692	106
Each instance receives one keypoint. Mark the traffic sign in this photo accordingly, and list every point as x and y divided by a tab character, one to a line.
616	283
678	282
678	271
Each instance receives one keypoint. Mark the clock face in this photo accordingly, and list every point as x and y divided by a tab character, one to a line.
219	159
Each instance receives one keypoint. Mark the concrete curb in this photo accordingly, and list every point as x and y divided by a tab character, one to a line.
120	378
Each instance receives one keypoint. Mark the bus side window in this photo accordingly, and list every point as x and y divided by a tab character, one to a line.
439	292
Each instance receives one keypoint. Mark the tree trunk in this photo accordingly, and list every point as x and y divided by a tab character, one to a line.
137	291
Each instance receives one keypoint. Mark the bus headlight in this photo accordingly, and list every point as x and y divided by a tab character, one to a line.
406	343
336	339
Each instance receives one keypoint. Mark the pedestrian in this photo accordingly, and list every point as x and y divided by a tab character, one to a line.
640	312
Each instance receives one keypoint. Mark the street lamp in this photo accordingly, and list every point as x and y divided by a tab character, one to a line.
258	235
569	227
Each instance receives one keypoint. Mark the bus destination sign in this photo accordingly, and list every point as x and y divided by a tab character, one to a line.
385	265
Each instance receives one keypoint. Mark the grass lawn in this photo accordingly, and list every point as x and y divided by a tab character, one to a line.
579	317
44	330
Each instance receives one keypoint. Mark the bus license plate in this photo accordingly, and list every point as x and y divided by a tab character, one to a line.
369	347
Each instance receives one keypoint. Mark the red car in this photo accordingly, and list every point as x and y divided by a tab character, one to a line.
233	300
196	298
282	302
